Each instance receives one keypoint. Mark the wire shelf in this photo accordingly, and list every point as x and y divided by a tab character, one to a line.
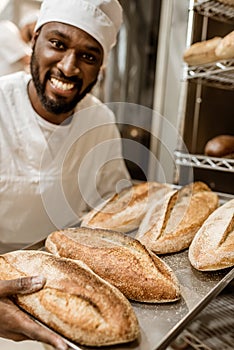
212	329
200	161
215	10
219	74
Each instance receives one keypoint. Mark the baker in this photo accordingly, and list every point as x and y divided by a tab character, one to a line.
60	147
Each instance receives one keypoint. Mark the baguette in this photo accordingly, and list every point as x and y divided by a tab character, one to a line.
225	48
123	212
213	246
172	222
202	52
220	146
74	301
121	260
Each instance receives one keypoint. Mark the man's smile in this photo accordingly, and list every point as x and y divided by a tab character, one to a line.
58	84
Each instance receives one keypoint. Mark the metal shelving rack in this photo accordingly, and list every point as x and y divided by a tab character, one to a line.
201	161
215	10
212	329
204	332
218	74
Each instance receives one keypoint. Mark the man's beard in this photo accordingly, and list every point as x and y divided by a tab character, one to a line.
61	105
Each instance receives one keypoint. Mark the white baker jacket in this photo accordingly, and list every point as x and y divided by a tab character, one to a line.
48	181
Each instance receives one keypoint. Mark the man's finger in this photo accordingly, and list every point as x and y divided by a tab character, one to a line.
17	325
22	285
34	331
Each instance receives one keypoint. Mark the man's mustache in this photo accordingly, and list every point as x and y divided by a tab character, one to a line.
74	79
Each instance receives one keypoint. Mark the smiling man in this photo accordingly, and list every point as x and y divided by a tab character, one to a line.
60	149
63	71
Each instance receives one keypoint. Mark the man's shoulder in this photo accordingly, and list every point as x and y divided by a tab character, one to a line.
14	80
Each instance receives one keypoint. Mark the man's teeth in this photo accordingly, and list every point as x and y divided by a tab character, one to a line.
60	85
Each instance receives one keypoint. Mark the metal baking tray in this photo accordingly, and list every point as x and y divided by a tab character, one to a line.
160	324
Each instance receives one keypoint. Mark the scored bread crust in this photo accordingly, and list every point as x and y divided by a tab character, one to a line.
74	301
123	212
121	260
213	246
173	221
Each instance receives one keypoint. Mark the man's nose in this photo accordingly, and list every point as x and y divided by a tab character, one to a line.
69	65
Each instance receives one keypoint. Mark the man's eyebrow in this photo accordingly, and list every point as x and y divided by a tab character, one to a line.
94	48
58	33
90	47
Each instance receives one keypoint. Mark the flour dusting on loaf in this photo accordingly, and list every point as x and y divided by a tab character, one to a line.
213	246
74	301
124	211
121	260
172	222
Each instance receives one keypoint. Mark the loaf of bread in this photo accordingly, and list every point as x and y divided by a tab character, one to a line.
225	48
213	245
202	52
123	212
220	146
74	301
172	222
121	260
227	2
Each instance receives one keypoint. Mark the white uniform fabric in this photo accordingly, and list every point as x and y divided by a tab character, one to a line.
13	49
47	184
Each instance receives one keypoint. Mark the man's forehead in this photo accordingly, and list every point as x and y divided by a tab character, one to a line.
66	30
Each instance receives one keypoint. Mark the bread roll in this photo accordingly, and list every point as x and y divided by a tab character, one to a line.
74	301
225	48
220	146
213	246
172	222
202	52
123	212
119	259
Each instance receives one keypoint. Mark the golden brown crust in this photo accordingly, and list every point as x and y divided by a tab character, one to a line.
172	222
220	146
75	301
119	259
227	2
202	52
213	246
225	48
124	211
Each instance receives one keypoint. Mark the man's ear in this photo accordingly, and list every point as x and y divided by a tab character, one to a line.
34	38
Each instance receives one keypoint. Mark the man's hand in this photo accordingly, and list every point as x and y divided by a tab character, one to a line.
15	324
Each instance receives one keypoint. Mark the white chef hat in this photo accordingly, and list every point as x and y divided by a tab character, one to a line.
99	18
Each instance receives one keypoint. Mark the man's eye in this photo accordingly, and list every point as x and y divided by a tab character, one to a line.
89	57
57	44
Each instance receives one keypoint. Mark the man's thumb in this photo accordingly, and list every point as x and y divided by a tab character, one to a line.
22	285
